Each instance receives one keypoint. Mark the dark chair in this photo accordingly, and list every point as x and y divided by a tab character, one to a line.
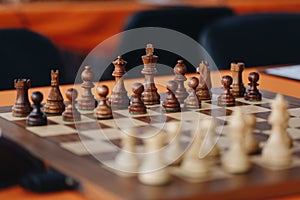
25	54
187	20
256	39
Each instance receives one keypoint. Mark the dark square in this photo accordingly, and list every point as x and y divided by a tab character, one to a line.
263	126
263	115
22	123
85	126
218	112
67	138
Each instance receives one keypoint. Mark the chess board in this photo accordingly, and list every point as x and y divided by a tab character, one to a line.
86	150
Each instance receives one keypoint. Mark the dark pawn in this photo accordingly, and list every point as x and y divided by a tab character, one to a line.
71	113
226	98
253	93
171	103
102	111
192	101
137	106
36	117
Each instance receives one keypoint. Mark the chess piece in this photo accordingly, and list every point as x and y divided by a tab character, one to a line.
71	113
226	98
173	151
150	95
22	106
192	101
170	103
137	106
87	101
118	97
194	166
236	159
55	102
204	87
251	143
276	152
153	170
286	116
102	111
127	161
179	71
253	93
36	117
238	88
209	147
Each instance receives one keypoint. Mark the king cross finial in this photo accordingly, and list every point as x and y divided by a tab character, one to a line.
149	50
54	77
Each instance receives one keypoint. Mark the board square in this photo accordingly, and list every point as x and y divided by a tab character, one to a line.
150	112
8	116
264	101
102	134
294	112
67	138
294	122
188	116
123	123
59	120
250	109
217	112
89	147
51	130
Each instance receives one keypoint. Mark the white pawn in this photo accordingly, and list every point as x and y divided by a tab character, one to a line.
192	165
209	147
174	150
153	170
251	143
236	160
276	152
127	161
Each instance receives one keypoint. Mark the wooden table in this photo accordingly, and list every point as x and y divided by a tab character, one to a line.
267	82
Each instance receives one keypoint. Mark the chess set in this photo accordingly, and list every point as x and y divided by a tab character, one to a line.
186	144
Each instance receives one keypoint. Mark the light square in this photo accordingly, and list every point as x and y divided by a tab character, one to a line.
59	120
51	130
123	123
87	147
102	134
8	116
263	101
250	109
294	112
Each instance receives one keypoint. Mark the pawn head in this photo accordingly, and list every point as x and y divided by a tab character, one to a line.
71	94
172	85
253	77
193	82
36	97
137	88
102	90
227	81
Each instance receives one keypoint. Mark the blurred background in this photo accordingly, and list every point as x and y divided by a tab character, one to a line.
76	27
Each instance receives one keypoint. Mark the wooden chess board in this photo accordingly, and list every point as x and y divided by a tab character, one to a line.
85	150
